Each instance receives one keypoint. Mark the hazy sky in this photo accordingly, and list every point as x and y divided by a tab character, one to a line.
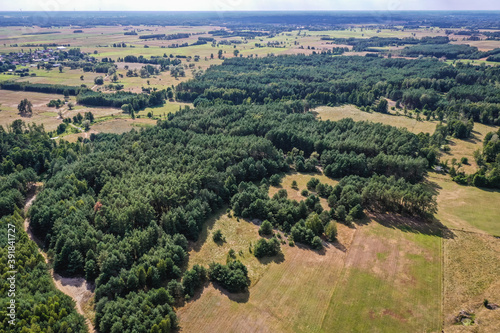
229	5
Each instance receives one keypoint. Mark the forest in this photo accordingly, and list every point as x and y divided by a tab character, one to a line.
25	153
433	89
121	213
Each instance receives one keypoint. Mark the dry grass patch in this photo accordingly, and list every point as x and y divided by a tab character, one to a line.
122	125
391	283
471	271
288	294
466	207
351	111
466	148
301	179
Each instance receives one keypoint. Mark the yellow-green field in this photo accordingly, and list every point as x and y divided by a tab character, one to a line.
351	111
391	282
301	179
466	207
471	270
385	278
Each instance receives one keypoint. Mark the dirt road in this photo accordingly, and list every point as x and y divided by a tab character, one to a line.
77	288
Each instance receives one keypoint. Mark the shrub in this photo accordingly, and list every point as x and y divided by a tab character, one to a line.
99	80
265	248
218	237
233	276
275	180
331	231
316	243
266	228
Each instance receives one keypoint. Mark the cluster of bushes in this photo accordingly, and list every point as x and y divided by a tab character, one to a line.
264	248
233	276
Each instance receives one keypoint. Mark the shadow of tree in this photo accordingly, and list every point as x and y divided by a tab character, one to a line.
241	297
278	259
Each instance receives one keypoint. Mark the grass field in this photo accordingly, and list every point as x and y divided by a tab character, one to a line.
301	179
371	278
471	271
351	111
466	148
391	282
466	207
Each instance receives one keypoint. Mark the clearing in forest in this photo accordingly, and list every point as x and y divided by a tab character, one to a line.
377	276
351	111
301	179
466	208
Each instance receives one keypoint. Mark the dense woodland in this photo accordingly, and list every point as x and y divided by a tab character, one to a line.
431	88
25	153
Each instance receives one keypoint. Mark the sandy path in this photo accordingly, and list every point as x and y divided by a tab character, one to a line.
77	288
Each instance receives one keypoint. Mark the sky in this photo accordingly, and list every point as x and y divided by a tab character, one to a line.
245	5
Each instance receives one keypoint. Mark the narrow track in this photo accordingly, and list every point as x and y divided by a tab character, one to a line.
76	288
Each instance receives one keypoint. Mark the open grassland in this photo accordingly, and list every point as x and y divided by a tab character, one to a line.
288	293
466	148
163	110
471	271
301	179
351	111
391	281
377	278
466	207
42	114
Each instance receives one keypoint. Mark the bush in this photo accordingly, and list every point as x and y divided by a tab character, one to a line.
275	180
464	160
312	183
266	228
99	80
356	212
340	213
316	243
218	237
194	279
61	128
233	276
265	248
331	231
304	193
